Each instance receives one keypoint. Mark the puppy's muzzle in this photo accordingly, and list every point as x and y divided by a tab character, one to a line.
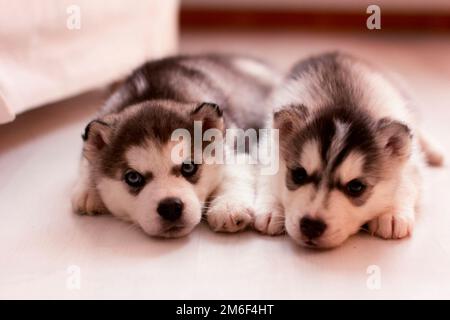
312	228
170	209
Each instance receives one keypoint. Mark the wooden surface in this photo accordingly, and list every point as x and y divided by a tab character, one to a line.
323	19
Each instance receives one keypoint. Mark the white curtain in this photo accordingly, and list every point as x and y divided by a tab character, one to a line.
53	49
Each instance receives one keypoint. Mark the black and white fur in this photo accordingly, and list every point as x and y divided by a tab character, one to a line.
132	132
350	154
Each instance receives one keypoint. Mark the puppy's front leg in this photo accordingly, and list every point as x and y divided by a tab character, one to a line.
85	199
231	209
269	213
398	222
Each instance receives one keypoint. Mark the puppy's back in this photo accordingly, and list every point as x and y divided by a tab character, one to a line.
340	80
239	85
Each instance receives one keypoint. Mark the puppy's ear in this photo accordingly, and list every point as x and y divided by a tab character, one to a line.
290	118
96	136
210	114
394	138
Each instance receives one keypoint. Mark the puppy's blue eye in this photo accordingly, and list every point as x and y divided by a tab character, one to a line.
134	179
299	175
188	169
355	188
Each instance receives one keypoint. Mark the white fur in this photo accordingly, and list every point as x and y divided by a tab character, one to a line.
255	69
269	212
84	198
310	157
338	139
231	209
351	168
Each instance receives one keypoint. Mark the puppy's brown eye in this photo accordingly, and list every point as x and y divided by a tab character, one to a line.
188	169
134	179
355	188
299	175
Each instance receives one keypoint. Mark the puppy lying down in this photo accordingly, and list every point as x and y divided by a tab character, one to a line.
128	168
350	154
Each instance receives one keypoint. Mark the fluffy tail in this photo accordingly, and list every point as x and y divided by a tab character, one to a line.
433	154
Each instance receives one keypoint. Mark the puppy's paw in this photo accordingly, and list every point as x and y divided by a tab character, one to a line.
85	201
392	226
224	216
270	222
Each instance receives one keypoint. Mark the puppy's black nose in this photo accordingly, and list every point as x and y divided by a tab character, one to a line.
170	208
312	228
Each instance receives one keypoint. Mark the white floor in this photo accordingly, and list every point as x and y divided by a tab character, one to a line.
44	247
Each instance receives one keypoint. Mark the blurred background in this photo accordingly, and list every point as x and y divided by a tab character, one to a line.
315	15
54	49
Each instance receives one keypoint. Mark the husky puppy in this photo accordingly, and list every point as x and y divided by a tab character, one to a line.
127	167
349	155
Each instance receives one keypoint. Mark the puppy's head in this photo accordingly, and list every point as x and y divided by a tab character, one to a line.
340	169
136	174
